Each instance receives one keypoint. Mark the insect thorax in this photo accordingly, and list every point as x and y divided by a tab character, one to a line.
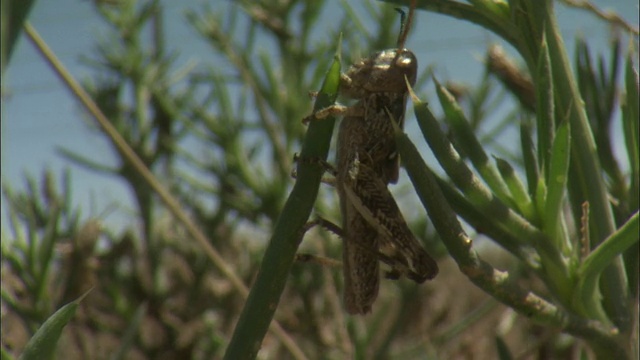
384	71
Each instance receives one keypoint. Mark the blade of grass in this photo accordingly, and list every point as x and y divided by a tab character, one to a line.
265	293
545	113
43	343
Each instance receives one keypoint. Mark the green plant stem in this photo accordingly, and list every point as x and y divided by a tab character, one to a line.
495	282
265	293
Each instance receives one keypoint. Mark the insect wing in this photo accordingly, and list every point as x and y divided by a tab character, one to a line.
360	263
371	198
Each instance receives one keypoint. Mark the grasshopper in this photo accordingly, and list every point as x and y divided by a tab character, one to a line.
373	228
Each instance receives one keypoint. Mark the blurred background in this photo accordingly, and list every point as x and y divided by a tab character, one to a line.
211	96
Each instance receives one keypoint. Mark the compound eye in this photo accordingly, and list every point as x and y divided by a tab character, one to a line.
406	59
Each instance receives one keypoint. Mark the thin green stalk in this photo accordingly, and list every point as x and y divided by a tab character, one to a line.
265	293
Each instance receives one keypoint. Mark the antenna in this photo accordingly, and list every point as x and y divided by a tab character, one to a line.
405	24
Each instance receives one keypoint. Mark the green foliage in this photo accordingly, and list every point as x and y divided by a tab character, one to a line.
222	136
38	219
575	221
288	231
43	343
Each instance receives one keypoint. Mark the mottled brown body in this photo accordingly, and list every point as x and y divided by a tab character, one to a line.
367	161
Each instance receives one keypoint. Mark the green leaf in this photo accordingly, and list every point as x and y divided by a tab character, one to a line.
557	181
541	196
497	283
43	343
470	144
493	8
128	337
586	298
587	167
544	108
517	189
529	157
481	196
14	14
630	128
441	214
265	294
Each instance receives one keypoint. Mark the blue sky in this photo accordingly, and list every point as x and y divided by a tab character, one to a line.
39	115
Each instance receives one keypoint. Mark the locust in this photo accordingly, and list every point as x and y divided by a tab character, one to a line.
367	161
